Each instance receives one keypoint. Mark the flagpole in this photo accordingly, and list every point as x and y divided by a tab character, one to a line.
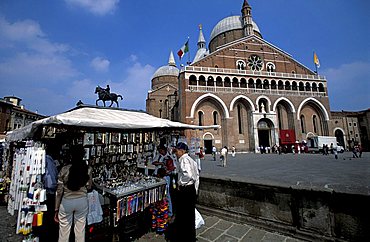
314	61
188	52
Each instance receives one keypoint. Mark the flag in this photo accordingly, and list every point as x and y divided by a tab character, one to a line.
316	60
184	49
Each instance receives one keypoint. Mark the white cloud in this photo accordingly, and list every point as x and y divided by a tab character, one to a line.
97	7
349	87
29	58
100	64
27	34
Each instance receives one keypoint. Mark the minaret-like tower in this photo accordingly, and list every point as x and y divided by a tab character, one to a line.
247	19
201	40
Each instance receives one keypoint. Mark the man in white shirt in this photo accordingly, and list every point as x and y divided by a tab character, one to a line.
188	183
224	156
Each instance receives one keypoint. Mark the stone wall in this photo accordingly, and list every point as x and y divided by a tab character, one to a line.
308	214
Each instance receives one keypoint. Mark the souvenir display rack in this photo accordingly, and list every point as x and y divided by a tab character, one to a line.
26	192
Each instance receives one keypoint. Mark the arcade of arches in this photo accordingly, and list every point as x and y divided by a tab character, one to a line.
257	122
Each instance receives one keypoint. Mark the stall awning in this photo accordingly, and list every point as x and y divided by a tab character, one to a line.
99	117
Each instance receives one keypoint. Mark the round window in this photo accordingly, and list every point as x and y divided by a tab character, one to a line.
255	63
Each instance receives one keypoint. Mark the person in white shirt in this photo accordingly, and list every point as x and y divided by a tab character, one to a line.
224	156
188	183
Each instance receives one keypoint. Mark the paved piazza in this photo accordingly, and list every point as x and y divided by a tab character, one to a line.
301	171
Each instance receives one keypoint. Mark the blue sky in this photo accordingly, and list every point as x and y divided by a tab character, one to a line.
53	53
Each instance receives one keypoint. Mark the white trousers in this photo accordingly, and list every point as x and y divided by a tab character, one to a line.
77	210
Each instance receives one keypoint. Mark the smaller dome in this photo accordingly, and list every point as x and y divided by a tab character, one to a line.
166	71
230	23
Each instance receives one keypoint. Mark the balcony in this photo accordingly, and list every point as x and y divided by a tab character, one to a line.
265	74
277	92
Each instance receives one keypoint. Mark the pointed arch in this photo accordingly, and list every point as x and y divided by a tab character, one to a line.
320	105
219	100
241	97
285	99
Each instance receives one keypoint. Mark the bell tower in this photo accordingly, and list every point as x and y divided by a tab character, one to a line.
247	19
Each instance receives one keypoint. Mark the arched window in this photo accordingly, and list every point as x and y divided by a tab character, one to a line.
294	86
266	84
303	124
314	122
251	83
219	81
270	67
287	85
280	117
192	80
200	118
321	88
240	120
259	84
273	84
235	82
240	65
243	83
210	82
314	87
308	87
280	85
215	117
227	82
202	81
301	86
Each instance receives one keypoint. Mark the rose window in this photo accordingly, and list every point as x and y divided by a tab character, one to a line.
255	63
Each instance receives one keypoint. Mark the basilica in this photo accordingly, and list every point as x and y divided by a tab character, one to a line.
258	93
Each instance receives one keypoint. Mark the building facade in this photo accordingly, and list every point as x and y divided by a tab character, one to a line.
14	115
352	128
259	94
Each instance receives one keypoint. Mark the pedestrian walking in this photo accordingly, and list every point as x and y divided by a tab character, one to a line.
233	151
214	150
223	157
335	152
354	152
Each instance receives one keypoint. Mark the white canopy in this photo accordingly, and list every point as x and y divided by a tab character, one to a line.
99	117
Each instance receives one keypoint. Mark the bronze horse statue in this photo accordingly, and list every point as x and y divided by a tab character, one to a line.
105	95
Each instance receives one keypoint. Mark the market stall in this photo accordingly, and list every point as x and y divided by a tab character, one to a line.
119	145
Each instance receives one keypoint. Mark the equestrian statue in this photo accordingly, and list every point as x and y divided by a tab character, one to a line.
104	94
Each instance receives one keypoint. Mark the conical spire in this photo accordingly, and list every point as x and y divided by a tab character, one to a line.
201	39
202	50
245	4
171	60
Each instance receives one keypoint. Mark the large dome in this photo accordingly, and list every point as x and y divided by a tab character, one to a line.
230	23
166	71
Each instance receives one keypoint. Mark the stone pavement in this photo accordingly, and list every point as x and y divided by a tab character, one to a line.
219	230
214	230
299	171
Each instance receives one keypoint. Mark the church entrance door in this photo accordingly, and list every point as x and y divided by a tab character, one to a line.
208	146
264	138
264	132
